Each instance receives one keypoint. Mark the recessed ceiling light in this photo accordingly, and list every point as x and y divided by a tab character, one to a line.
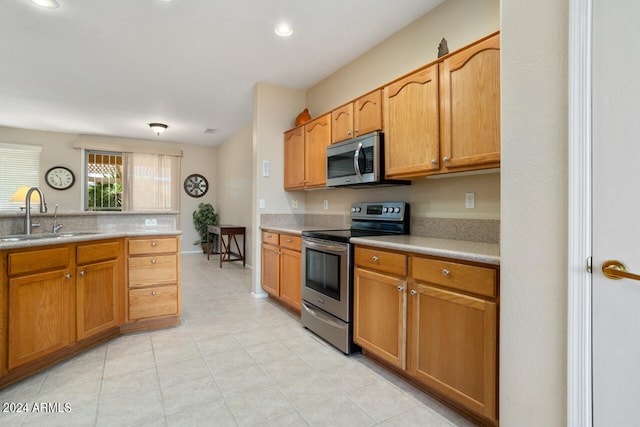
284	30
51	4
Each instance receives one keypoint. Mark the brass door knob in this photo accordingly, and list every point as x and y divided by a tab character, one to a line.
615	270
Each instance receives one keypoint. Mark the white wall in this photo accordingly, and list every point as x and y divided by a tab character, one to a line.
534	213
234	178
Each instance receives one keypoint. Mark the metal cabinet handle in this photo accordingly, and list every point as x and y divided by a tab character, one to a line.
154	293
68	276
445	159
374	258
356	130
446	272
434	162
615	270
414	292
153	261
82	273
400	288
154	244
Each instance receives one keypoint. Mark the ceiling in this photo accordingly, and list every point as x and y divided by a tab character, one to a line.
111	67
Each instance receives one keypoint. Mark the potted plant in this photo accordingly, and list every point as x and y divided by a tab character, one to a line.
202	217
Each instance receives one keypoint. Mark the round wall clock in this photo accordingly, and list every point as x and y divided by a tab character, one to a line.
196	185
59	177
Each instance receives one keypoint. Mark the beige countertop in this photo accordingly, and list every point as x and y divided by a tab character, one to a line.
488	253
38	239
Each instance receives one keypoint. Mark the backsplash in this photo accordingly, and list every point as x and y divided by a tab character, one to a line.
474	230
91	221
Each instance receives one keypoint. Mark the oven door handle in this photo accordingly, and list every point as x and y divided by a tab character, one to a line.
356	166
324	247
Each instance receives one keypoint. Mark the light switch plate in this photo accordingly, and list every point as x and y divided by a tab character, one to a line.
265	168
262	204
470	200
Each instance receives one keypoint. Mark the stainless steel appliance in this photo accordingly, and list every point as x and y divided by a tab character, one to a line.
358	161
327	269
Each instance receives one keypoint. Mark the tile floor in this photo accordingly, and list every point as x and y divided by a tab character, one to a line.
234	361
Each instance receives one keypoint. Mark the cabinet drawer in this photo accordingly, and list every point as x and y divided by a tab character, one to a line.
153	246
270	238
388	262
97	252
40	260
291	242
152	302
477	280
153	270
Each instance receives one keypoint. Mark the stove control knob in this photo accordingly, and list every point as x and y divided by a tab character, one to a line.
385	210
353	209
396	210
358	209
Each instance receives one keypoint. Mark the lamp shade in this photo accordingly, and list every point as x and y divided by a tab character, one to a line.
20	196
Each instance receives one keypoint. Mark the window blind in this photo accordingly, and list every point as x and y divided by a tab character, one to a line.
19	165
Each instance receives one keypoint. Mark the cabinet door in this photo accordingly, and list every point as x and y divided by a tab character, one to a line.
317	137
412	136
342	123
270	269
367	113
294	159
39	315
452	346
96	295
379	312
470	91
290	278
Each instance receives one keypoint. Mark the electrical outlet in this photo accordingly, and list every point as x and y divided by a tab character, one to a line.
470	200
294	204
262	204
150	222
326	204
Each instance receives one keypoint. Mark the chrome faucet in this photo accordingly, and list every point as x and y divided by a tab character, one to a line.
27	201
56	226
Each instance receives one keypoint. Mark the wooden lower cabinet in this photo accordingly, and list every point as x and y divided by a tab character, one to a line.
153	278
97	298
40	312
379	311
453	345
438	325
281	272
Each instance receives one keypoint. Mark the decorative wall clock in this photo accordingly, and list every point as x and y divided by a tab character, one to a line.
59	177
196	185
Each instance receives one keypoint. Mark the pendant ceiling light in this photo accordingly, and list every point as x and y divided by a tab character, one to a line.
158	128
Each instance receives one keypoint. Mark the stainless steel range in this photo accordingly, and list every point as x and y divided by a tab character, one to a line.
327	269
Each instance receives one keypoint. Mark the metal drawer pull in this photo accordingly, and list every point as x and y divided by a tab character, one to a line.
616	270
414	292
446	272
154	293
153	244
374	258
153	261
68	276
82	273
400	288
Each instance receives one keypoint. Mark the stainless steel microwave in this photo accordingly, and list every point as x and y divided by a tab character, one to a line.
358	161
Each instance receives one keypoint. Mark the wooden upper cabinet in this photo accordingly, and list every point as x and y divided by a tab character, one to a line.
412	137
470	107
294	159
317	137
357	118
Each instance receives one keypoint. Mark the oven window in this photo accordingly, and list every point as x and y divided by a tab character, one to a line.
323	272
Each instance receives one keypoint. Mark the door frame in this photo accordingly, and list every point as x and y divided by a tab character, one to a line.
579	220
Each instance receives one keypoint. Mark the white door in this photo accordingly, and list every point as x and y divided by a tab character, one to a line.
616	211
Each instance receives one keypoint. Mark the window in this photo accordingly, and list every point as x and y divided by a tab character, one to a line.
19	165
104	181
132	181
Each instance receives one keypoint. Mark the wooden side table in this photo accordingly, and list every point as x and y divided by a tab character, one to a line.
224	248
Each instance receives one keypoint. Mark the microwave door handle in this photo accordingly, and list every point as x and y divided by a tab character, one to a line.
356	155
